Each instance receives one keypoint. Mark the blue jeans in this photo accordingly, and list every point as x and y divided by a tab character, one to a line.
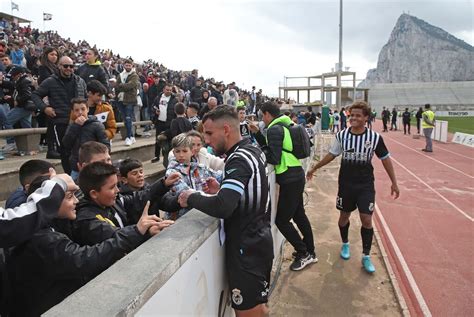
4	124
19	115
4	110
127	115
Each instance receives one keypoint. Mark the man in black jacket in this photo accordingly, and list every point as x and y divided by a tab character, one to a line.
163	106
23	106
50	266
60	90
290	176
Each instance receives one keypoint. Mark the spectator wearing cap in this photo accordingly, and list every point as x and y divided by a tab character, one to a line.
60	90
23	106
92	68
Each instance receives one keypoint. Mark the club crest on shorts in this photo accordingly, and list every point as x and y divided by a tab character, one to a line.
237	297
371	207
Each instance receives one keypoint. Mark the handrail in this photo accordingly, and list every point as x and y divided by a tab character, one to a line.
28	131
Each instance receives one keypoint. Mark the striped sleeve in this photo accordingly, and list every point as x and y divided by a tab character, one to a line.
20	223
336	148
236	175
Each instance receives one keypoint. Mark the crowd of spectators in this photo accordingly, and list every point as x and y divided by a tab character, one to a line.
75	225
36	55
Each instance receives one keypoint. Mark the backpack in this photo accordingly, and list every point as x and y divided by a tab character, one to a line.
300	140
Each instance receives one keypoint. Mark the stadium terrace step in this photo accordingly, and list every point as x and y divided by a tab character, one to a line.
143	150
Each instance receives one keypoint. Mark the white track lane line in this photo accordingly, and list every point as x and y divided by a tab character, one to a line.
434	190
406	269
427	156
468	157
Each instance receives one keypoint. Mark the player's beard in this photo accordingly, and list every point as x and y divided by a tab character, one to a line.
220	148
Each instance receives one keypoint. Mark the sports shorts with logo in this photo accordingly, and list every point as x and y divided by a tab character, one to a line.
356	196
248	287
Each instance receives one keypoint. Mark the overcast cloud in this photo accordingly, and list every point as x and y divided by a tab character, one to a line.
250	42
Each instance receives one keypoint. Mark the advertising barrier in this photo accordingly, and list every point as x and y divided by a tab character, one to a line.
464	139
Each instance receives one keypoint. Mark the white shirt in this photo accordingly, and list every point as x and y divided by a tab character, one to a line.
163	107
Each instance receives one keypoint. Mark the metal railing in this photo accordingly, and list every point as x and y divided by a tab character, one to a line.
31	131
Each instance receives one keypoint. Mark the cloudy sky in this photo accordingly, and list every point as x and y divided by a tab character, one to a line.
250	42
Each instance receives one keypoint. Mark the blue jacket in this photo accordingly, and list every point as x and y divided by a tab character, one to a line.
17	198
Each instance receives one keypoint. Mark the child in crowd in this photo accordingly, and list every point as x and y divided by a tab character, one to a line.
84	128
52	265
244	125
192	113
131	175
193	174
180	124
27	173
132	178
102	211
100	109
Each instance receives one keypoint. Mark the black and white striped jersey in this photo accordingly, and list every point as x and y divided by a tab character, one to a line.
248	234
357	151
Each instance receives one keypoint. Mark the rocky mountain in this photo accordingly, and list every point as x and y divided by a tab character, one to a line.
420	52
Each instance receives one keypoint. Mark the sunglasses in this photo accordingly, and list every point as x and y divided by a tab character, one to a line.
67	66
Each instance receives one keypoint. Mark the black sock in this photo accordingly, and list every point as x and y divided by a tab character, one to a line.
366	235
345	232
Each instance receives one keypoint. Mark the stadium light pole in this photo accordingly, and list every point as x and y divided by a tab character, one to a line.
339	68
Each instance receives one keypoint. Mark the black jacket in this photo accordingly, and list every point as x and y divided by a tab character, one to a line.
95	224
43	73
19	224
50	266
170	114
180	125
54	88
196	94
23	91
273	150
89	72
76	135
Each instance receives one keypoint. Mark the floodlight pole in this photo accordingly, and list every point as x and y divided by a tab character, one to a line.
340	36
339	68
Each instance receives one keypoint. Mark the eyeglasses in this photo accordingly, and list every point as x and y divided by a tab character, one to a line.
67	66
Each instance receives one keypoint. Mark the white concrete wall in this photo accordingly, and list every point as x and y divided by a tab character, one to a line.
199	287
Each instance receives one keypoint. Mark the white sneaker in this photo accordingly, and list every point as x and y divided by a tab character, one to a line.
133	140
128	141
9	147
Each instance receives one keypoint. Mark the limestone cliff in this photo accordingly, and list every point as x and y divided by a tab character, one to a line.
420	52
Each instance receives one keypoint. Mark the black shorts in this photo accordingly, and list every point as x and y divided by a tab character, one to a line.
248	288
361	196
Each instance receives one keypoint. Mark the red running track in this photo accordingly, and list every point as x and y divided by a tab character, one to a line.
428	231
